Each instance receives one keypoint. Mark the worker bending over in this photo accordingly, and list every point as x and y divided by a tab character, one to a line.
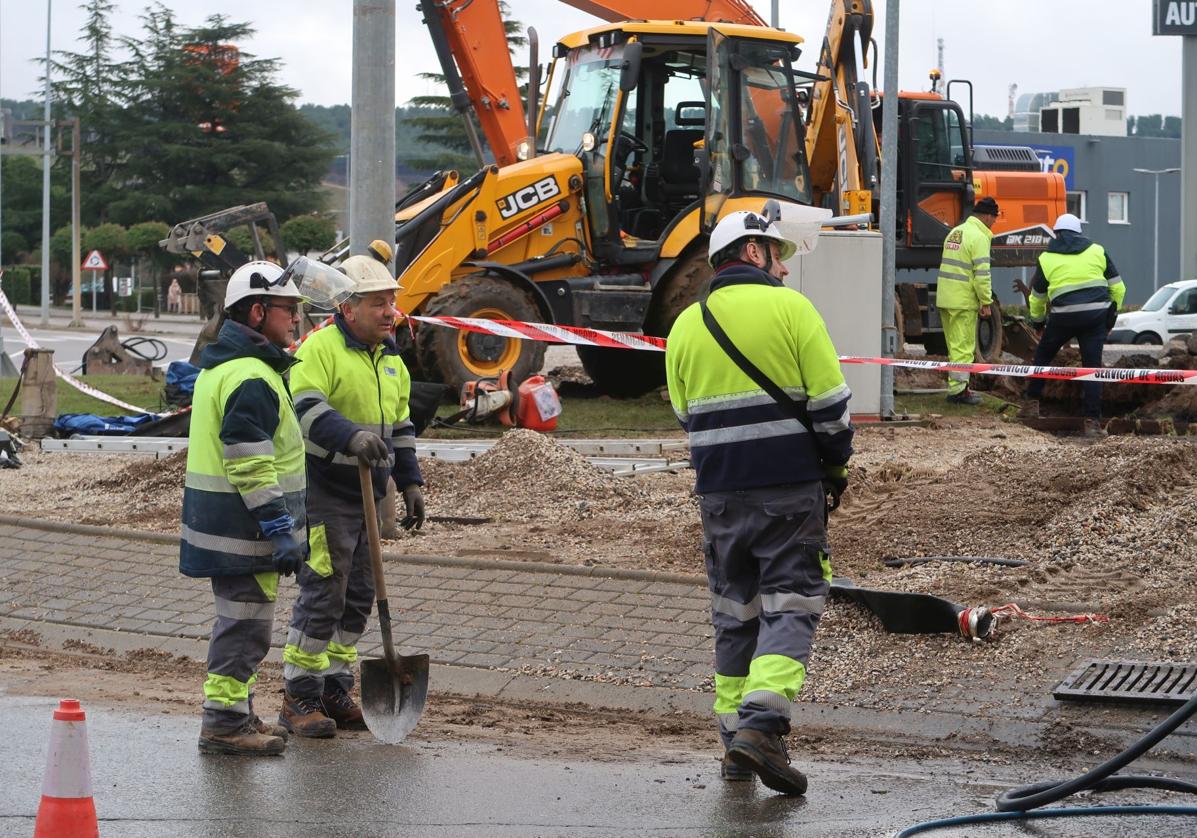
1075	293
243	498
351	395
770	437
963	290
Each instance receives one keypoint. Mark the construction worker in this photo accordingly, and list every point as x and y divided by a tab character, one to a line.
1075	279
963	289
770	448
243	501
351	394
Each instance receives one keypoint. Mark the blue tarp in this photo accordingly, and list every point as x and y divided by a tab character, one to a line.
68	424
182	375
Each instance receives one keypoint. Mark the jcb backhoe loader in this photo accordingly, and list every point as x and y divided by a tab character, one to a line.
604	224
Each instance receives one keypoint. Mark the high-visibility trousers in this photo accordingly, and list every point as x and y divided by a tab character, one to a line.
239	643
336	594
960	333
769	574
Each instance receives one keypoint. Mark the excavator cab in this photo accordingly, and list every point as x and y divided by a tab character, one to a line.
935	182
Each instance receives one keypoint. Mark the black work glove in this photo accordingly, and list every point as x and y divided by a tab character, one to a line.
835	482
289	552
413	503
367	447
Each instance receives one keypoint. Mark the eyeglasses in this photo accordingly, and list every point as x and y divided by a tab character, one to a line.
292	309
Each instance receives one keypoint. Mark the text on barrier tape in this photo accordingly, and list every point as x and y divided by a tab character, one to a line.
550	333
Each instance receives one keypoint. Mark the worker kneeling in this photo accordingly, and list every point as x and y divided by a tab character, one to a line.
243	502
756	383
351	395
1078	280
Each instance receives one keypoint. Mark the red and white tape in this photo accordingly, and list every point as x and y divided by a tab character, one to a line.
65	376
624	340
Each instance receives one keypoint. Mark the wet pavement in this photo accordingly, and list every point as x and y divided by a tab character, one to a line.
149	780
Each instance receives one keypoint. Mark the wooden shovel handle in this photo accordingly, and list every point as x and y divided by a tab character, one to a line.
380	583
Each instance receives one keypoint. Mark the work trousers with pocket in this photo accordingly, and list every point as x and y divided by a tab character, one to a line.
960	334
239	642
336	594
769	574
1089	328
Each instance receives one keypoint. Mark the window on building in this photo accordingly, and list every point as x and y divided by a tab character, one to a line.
1070	119
1077	204
1112	97
1050	121
1119	211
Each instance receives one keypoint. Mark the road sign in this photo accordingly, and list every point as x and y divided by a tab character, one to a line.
95	262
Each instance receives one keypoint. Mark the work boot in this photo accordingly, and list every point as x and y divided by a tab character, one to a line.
1094	429
342	709
728	770
245	741
304	716
765	755
965	396
268	729
1030	410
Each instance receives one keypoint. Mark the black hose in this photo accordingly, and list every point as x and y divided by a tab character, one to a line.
976	559
158	349
1034	795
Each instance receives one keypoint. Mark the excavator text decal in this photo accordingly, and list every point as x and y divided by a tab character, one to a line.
537	193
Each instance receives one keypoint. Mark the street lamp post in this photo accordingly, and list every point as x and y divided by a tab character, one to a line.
1155	273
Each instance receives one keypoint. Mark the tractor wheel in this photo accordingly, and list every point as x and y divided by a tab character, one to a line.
627	374
455	356
989	335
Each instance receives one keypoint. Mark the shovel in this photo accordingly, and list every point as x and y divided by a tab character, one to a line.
395	688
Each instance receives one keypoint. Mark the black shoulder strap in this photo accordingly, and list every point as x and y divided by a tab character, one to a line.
795	409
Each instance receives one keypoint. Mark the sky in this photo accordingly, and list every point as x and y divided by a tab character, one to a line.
1040	46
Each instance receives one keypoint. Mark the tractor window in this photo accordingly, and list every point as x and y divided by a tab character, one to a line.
939	141
770	128
587	95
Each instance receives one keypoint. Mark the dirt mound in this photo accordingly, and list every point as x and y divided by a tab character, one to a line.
148	475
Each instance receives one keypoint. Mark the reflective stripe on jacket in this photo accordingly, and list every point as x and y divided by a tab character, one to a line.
343	387
1075	275
964	278
245	459
740	438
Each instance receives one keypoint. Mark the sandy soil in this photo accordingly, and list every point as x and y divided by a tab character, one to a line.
1104	526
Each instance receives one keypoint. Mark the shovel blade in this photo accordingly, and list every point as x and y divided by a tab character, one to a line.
393	699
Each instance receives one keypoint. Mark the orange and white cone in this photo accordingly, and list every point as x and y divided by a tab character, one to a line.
67	809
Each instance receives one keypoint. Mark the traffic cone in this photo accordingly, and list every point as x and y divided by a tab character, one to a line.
67	809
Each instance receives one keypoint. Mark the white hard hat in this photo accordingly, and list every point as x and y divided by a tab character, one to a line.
368	274
257	279
743	225
1067	221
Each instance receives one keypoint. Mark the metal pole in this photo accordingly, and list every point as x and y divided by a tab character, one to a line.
889	207
372	125
1188	157
76	198
773	14
46	159
1155	268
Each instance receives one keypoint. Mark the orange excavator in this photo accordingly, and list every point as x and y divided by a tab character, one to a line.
940	173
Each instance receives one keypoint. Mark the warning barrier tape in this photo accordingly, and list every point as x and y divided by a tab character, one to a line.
625	340
65	376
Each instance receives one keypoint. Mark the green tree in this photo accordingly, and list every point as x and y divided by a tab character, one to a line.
305	233
213	128
12	245
93	87
438	125
993	123
142	241
22	196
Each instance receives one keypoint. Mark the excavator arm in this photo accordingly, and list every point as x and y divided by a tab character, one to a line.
721	11
471	45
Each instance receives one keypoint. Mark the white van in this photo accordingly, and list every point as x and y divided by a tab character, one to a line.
1170	311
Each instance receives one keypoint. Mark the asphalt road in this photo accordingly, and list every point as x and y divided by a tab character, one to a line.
70	344
149	780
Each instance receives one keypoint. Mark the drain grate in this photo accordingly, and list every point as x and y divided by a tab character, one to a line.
1156	682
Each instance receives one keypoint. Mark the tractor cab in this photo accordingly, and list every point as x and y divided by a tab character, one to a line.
669	121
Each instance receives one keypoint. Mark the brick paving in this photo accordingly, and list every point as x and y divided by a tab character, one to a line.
640	631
